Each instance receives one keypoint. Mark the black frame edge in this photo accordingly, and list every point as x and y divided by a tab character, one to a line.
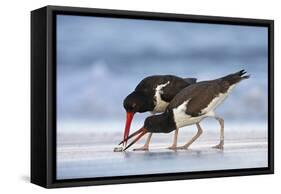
47	180
159	15
161	178
51	97
271	95
38	97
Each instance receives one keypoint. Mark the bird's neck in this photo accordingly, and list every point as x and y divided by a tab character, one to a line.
166	123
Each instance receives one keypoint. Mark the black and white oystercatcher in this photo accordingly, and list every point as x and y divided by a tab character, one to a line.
153	94
190	106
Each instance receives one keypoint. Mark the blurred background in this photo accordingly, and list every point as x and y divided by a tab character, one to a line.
101	60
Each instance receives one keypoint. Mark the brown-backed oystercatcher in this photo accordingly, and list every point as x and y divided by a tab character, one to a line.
190	106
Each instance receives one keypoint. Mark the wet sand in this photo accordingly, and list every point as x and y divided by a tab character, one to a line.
84	160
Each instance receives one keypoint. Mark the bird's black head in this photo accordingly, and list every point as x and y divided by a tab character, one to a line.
162	123
138	102
135	102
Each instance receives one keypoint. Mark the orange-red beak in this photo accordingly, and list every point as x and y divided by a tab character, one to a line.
129	118
141	132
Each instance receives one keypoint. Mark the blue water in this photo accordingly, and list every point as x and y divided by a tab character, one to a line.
101	60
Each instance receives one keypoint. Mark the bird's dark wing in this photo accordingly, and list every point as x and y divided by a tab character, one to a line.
174	87
190	80
176	84
148	84
198	95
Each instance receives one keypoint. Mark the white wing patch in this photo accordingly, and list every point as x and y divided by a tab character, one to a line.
161	105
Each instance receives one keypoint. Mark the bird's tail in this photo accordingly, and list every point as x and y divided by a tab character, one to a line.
236	77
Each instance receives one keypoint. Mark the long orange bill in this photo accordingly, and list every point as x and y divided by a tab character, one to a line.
129	119
130	136
141	132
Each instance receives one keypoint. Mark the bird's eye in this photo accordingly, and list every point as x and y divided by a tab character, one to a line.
134	105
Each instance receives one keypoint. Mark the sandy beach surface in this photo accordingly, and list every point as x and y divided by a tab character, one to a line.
85	156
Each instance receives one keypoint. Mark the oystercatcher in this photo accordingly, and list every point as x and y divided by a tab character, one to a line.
190	106
153	94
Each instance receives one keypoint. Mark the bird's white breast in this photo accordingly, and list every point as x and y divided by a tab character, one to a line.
160	105
182	119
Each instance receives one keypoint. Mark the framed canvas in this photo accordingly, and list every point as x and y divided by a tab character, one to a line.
126	96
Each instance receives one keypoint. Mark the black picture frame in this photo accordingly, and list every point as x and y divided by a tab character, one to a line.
43	96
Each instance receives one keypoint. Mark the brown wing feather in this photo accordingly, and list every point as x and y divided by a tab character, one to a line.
202	99
199	96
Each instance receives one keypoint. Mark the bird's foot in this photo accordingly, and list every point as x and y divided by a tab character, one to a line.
219	146
143	148
185	147
172	147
